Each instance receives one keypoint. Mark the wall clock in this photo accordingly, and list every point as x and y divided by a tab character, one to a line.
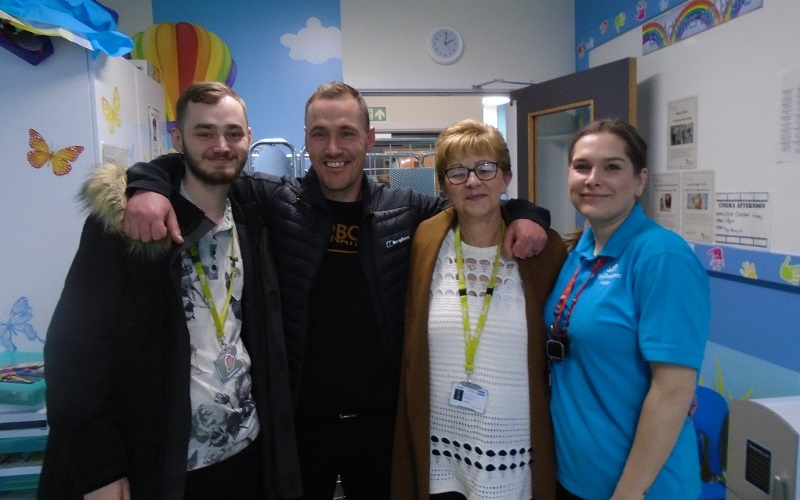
445	45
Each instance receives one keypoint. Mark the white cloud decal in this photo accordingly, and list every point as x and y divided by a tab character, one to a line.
314	43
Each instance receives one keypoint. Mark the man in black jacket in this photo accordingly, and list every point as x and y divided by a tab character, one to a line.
341	244
166	364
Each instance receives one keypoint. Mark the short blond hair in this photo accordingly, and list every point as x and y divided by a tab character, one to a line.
469	138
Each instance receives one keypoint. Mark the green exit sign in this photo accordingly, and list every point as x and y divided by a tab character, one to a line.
377	113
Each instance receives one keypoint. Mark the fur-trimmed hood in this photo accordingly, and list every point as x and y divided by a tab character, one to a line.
103	195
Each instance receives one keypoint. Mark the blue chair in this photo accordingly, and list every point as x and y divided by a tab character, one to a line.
709	420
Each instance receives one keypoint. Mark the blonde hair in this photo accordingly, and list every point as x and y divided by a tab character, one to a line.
466	138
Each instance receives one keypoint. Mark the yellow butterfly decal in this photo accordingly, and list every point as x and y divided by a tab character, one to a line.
111	111
41	154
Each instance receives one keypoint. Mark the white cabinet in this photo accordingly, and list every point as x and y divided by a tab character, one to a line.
62	100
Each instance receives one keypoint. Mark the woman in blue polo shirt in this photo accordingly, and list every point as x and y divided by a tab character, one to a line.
630	314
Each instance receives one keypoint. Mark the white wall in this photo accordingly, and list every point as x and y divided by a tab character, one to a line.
384	46
134	15
424	113
384	43
733	70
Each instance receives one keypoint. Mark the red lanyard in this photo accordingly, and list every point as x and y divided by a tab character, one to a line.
562	301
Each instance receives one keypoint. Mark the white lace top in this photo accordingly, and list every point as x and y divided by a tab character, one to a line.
482	456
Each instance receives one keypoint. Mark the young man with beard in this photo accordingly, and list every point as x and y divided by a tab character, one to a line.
342	245
162	359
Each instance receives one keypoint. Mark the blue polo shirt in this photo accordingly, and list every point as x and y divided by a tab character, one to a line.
648	302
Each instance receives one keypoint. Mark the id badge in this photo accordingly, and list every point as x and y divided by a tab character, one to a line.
470	396
227	364
557	348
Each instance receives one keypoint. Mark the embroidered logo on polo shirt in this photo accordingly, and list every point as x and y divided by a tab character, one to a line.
609	274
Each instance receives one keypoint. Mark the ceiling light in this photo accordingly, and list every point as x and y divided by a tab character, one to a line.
495	100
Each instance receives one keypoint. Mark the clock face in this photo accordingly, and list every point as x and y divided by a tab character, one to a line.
445	45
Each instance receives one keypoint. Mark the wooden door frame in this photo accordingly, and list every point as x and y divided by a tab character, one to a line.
532	166
611	87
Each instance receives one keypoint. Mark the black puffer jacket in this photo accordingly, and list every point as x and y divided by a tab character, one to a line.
302	223
297	215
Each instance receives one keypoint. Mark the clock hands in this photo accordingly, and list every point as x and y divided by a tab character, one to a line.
445	45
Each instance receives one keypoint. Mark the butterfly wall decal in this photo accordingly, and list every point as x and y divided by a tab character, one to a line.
41	154
18	323
111	111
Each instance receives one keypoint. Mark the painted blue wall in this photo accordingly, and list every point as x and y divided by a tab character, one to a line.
755	304
274	85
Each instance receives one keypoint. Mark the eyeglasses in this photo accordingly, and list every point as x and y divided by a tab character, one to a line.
458	174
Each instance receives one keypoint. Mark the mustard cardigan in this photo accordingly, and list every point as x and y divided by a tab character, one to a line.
411	457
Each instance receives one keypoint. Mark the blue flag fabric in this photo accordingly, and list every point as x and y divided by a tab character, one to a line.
85	19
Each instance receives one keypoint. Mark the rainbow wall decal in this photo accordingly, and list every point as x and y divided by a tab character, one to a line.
691	18
733	9
696	17
654	37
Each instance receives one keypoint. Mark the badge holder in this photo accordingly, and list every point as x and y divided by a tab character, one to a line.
227	364
558	347
470	396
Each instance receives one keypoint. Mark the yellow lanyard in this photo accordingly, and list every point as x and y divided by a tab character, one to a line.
219	320
471	339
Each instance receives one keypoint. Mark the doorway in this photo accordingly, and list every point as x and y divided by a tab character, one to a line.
549	114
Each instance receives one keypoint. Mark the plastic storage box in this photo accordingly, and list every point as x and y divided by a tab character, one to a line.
14	393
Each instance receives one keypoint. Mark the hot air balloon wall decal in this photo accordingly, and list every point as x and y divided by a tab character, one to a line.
184	53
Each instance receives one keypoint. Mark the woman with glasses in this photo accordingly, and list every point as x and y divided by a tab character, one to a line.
473	419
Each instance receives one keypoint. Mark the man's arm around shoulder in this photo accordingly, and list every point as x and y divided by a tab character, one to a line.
149	215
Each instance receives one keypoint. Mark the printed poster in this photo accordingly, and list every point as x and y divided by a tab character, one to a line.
682	147
697	199
743	219
666	190
789	119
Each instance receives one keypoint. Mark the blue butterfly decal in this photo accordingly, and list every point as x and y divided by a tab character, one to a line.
17	323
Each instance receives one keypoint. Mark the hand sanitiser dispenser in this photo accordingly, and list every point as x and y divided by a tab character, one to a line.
763	443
